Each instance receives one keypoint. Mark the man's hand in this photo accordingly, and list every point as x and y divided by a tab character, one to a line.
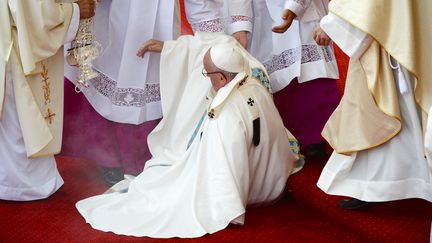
288	16
242	38
87	8
150	45
320	37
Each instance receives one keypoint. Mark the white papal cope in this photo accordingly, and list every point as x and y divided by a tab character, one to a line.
188	191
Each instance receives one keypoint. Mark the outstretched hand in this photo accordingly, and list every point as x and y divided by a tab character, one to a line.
320	37
288	16
150	45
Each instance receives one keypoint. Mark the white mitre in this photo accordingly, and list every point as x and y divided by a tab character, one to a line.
227	57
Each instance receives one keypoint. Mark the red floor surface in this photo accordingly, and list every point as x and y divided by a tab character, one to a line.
56	219
311	217
398	221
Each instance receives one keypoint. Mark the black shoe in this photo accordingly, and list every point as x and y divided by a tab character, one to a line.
316	151
112	175
353	204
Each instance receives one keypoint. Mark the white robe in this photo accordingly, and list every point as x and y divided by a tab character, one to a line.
190	191
395	170
428	147
227	16
285	56
204	15
23	179
127	89
293	54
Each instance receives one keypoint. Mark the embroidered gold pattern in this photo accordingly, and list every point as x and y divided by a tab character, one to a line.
211	114
46	87
50	116
243	81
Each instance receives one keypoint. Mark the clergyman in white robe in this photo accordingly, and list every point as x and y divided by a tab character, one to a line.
397	169
27	170
293	54
127	88
286	56
206	166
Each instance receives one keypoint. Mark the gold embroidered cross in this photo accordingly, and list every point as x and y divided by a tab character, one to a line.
242	82
211	114
50	116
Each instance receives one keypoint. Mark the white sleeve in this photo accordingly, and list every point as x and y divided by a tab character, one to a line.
350	39
240	16
73	27
297	6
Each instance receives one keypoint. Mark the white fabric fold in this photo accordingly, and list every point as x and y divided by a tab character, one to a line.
73	26
127	90
351	40
190	191
293	54
394	170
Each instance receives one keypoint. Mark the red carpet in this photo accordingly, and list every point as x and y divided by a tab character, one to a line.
56	219
311	217
398	221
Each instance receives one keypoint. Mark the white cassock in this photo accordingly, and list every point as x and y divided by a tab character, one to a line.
398	169
428	148
285	56
21	178
205	168
205	15
219	16
293	54
127	89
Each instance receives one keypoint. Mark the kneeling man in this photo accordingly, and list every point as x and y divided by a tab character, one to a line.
220	147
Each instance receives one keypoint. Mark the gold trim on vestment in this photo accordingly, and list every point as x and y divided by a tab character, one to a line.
416	31
365	122
46	84
382	46
371	93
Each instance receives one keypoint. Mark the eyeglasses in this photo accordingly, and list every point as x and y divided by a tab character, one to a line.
206	74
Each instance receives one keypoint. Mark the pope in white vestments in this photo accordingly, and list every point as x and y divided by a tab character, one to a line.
32	34
302	73
378	129
216	150
125	96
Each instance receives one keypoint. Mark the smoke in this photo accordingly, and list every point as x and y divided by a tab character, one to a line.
88	135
